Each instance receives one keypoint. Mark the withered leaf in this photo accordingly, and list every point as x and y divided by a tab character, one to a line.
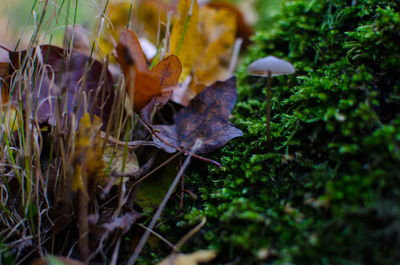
64	83
205	118
4	61
144	84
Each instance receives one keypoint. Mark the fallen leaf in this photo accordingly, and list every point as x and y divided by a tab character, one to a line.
244	30
186	41
87	160
62	83
4	61
144	19
117	15
147	17
183	94
218	30
120	161
206	118
189	259
153	189
11	119
144	84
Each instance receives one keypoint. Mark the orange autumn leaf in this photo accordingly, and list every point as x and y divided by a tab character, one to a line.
143	84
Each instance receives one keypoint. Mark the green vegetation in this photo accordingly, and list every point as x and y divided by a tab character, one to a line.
327	189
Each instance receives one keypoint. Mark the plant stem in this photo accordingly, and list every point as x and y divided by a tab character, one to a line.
268	98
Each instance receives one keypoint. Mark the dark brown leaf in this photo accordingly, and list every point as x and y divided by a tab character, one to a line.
205	118
61	83
4	61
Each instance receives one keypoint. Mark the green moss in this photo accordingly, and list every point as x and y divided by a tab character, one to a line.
327	189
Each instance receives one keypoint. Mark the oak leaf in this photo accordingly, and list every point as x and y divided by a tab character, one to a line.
205	118
144	84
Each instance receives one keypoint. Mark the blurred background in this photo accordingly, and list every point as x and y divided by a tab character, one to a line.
20	18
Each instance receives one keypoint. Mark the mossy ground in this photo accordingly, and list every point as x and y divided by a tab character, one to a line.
327	189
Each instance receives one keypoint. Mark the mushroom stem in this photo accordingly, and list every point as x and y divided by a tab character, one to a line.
268	98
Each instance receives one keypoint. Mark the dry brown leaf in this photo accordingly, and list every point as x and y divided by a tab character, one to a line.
144	84
61	77
189	259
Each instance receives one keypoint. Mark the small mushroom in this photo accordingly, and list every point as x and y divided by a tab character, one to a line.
268	67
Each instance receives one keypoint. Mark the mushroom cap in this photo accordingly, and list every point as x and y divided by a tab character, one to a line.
272	64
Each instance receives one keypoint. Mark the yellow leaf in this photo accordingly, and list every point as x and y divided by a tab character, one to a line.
117	14
218	28
144	21
189	259
87	159
11	119
186	41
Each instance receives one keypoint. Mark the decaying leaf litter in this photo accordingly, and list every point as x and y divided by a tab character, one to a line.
86	125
